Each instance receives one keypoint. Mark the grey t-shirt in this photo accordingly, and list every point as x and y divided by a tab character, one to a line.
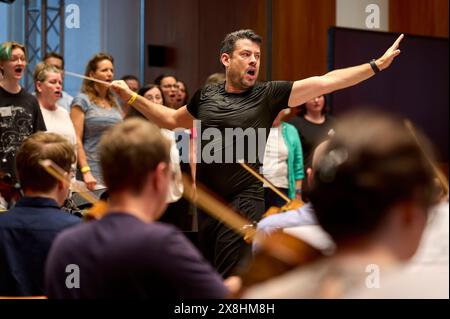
96	121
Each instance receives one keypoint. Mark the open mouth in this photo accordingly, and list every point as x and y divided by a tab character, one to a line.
251	73
58	93
18	70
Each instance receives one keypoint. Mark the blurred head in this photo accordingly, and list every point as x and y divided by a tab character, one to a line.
373	179
317	155
169	88
48	83
132	82
101	67
317	104
216	78
54	59
182	95
152	93
13	60
42	146
134	158
240	54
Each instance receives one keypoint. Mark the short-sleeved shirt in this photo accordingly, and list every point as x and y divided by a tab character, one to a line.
223	115
120	256
311	135
20	116
97	120
58	121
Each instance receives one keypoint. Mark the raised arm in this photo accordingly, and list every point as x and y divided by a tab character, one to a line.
161	115
307	89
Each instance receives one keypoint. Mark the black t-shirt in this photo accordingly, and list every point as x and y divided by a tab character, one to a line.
311	135
20	116
224	116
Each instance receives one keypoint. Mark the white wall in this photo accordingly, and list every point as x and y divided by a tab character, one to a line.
352	14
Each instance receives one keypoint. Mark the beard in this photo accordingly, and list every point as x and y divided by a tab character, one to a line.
238	81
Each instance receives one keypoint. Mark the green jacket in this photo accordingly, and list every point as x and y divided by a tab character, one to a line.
295	156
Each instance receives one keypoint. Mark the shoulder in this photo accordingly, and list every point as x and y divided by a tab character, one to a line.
211	90
81	98
289	127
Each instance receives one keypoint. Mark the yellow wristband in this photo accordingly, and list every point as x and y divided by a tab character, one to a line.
132	99
85	169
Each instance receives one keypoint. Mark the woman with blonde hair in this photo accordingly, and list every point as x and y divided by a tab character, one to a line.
48	85
93	111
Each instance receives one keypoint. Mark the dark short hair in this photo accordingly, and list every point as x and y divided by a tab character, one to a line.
148	87
228	44
130	151
324	111
129	77
42	146
371	163
160	77
55	55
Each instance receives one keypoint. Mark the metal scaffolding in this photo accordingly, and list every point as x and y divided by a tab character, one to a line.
44	32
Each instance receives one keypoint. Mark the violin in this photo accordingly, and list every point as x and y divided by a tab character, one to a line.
291	204
99	207
9	189
279	253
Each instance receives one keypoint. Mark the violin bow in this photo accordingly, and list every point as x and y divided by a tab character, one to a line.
439	175
264	180
57	172
217	209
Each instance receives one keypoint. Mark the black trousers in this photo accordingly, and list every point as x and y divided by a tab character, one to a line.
225	249
272	199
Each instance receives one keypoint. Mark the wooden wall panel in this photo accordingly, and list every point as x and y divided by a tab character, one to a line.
174	24
300	37
194	30
419	17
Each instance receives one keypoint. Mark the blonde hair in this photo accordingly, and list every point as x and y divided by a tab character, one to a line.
6	49
88	86
40	73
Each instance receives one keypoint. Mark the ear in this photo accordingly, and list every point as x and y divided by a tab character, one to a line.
159	176
39	86
225	59
408	212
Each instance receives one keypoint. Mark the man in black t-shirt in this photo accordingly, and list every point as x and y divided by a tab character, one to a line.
241	102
